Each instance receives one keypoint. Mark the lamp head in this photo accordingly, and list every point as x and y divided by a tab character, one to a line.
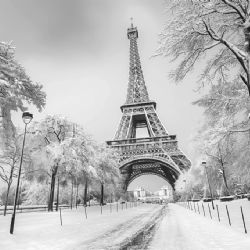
204	163
27	117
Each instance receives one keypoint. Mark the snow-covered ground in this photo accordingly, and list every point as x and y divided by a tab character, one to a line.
233	210
42	230
182	229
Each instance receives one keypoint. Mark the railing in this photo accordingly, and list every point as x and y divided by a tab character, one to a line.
167	138
30	209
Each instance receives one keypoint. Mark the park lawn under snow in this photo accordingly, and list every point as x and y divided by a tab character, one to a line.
42	230
233	210
182	229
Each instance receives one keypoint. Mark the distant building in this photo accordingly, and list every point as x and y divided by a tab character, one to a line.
165	193
141	194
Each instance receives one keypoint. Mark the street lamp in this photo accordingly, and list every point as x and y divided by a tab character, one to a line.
27	117
205	166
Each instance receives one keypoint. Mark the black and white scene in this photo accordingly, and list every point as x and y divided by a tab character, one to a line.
125	125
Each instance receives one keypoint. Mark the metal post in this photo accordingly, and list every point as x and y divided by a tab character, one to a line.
218	212
85	210
12	224
198	207
209	210
243	219
228	216
60	216
203	209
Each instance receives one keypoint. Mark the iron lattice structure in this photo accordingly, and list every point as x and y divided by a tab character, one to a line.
157	153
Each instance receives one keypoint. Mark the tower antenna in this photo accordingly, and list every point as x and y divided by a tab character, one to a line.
131	19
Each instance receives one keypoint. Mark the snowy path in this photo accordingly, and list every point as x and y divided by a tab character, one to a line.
182	229
121	235
40	231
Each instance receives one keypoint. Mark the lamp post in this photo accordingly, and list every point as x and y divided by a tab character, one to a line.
205	166
27	117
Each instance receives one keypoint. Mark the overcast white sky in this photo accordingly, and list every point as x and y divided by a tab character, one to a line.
79	51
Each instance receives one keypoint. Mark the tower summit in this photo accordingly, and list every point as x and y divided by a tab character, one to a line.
154	151
137	91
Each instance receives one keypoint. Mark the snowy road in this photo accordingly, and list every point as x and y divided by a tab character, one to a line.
181	229
132	228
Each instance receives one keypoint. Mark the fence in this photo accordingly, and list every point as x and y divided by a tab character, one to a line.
28	209
235	214
112	206
109	208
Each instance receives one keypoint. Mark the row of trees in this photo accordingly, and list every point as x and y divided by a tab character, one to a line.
58	154
213	37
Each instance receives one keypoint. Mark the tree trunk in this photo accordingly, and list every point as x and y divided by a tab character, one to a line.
52	189
225	180
102	191
7	128
247	49
88	193
85	193
248	74
71	203
8	190
6	199
77	186
57	196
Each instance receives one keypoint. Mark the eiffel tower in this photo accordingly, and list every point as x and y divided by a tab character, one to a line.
156	153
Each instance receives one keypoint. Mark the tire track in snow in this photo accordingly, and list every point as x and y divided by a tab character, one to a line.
144	236
125	235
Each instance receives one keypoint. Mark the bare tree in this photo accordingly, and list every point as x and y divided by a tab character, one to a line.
221	158
217	30
9	160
